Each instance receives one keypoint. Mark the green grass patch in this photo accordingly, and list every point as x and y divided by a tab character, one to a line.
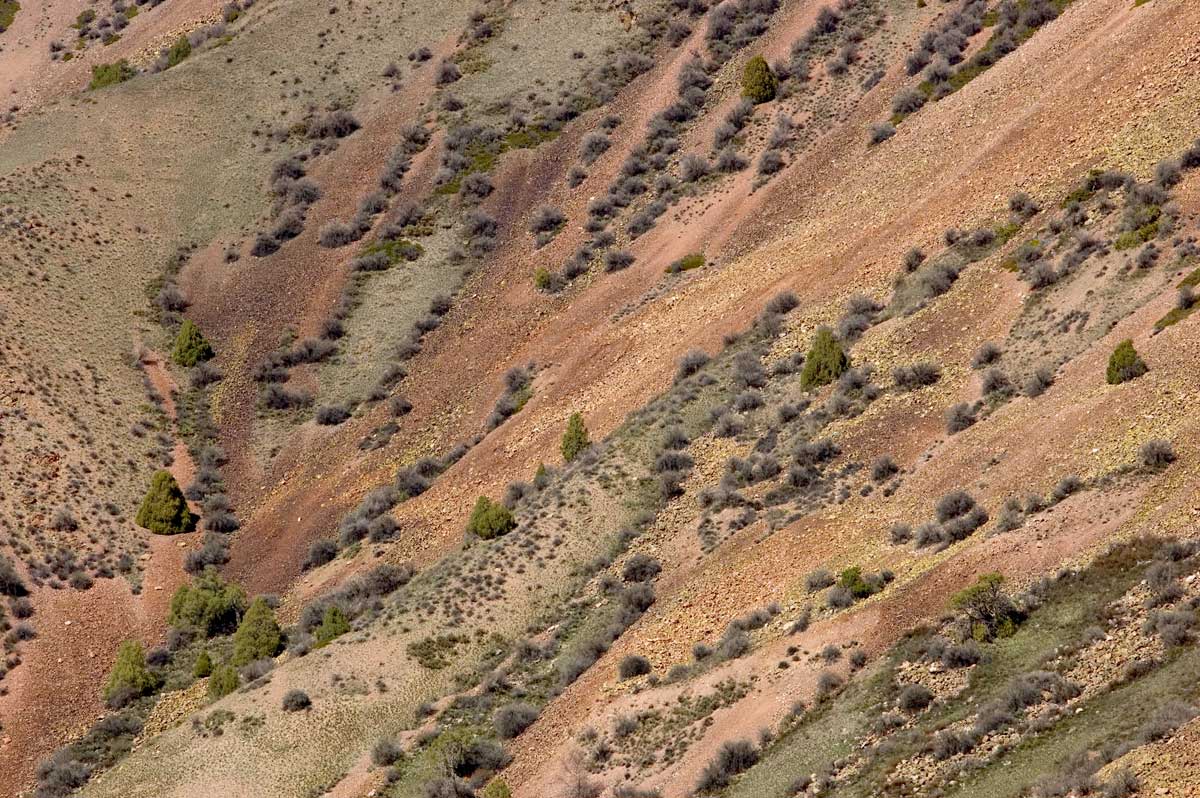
8	12
1005	232
833	729
529	138
1080	195
1174	317
1134	238
472	61
104	75
483	158
1114	716
1191	281
686	263
397	251
437	652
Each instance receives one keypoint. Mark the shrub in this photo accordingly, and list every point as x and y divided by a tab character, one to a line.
593	146
1156	453
1023	205
129	677
918	375
475	187
386	752
618	259
826	361
336	124
827	684
258	636
512	719
104	75
296	701
734	757
547	219
783	302
839	598
164	510
1039	382
693	167
908	101
203	666
818	580
914	697
640	568
881	132
447	72
490	519
1125	364
331	415
959	417
11	583
1165	721
987	354
690	363
758	82
320	552
336	234
996	385
633	665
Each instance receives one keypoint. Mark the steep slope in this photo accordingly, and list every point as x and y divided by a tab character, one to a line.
1098	86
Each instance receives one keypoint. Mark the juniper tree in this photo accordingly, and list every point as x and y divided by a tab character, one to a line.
164	510
575	439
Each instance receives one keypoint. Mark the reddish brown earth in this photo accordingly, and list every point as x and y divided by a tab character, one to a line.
836	220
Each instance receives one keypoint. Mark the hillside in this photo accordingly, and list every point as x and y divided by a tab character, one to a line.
785	343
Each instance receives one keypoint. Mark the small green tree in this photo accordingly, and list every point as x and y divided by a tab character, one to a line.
758	81
575	439
987	607
180	50
490	519
825	362
1125	364
209	605
164	510
333	625
203	666
224	680
129	675
191	347
258	635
